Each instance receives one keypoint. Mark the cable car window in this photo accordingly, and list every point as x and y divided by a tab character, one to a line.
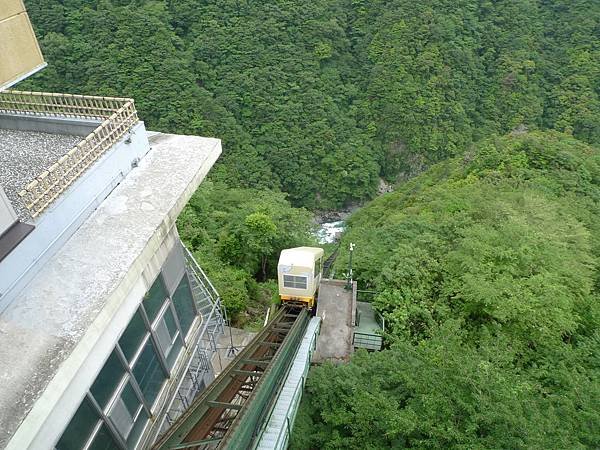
291	281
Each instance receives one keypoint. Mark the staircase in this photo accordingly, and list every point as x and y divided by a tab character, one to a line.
207	300
212	325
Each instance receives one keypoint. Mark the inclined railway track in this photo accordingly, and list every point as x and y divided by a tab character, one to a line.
329	262
229	413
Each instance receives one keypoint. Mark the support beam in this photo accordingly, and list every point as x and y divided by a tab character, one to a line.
254	362
195	443
247	373
206	418
281	330
223	405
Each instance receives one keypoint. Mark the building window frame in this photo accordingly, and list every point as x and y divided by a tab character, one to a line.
146	408
104	420
197	314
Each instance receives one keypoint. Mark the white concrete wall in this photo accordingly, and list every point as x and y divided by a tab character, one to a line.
65	392
60	125
67	213
58	334
7	213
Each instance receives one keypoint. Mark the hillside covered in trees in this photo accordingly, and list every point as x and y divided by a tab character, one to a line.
485	115
486	268
320	98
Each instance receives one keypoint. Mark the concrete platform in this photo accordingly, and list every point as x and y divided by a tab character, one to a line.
336	307
367	333
224	355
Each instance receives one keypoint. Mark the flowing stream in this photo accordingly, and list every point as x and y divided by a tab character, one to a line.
330	232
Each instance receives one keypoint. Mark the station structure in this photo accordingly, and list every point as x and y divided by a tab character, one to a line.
107	323
253	403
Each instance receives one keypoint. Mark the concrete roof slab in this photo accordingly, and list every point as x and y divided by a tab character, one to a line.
39	331
24	155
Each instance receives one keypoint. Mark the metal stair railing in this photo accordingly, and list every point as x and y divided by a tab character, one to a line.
208	304
203	289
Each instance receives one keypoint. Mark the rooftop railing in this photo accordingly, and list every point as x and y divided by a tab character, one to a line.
44	104
118	116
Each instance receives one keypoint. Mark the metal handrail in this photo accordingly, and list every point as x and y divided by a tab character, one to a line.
367	336
381	320
201	275
44	104
118	116
295	398
299	386
202	330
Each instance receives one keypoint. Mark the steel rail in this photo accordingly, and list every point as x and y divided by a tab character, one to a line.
330	261
216	414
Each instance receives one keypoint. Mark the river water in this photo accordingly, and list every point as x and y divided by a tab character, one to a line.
330	232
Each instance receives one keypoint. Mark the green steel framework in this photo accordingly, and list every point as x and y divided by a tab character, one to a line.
229	413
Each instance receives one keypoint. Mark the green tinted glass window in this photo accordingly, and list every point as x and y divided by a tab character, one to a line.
184	305
174	353
155	298
148	372
136	432
103	440
168	337
79	429
107	380
170	321
132	337
125	410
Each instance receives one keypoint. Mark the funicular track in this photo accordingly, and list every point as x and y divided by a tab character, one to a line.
230	412
327	265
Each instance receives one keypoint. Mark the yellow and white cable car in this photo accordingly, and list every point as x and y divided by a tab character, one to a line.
299	273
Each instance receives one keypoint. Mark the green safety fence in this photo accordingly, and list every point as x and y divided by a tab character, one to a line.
254	412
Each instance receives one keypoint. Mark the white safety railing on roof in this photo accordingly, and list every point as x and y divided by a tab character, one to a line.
118	116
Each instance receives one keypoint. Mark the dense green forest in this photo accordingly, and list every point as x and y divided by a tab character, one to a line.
485	115
320	98
237	234
487	272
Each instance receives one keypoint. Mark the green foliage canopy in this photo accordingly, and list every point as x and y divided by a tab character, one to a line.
486	264
237	235
319	99
487	272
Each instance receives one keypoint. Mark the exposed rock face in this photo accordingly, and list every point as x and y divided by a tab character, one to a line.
384	187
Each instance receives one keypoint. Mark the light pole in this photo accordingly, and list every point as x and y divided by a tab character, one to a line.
349	284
